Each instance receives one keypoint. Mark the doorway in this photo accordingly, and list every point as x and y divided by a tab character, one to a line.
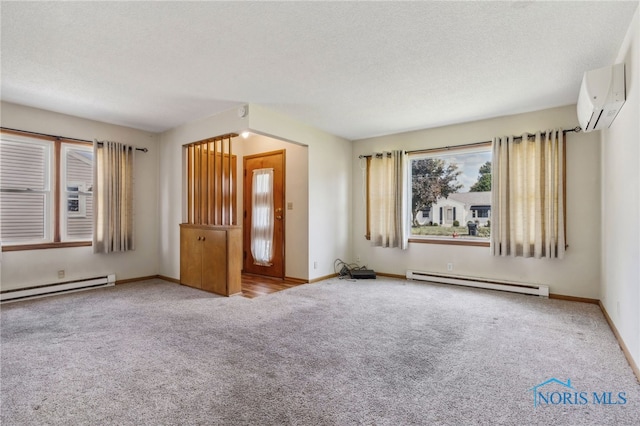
271	265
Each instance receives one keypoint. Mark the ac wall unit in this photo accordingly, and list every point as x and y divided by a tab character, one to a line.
602	94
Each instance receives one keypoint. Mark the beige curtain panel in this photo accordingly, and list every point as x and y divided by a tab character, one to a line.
387	195
528	217
113	197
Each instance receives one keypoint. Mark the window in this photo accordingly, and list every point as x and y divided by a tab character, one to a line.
45	192
77	180
451	195
481	212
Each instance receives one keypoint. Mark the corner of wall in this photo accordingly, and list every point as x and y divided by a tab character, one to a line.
620	195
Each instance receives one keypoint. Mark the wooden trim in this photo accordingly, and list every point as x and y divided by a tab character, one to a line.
287	280
326	277
214	177
220	182
57	152
44	246
75	142
293	280
623	346
214	139
171	280
196	184
574	298
284	211
29	134
133	280
384	274
450	148
190	149
231	205
450	242
206	160
150	277
264	154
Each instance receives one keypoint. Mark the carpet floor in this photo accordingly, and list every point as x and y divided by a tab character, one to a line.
384	352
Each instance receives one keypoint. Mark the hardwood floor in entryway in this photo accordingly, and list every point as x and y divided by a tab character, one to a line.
256	285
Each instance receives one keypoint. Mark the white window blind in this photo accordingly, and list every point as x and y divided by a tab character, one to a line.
25	190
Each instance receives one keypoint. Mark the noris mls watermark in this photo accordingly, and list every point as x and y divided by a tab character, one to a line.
557	392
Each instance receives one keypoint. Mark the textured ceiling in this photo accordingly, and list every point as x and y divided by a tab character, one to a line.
354	69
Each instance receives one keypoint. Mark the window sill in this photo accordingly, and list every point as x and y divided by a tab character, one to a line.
45	246
451	241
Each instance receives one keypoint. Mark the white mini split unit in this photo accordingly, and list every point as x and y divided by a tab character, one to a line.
602	94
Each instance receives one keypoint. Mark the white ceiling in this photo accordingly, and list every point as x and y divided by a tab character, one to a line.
354	69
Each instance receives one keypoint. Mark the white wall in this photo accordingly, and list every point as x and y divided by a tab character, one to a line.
577	275
330	192
34	267
297	193
171	181
329	187
620	293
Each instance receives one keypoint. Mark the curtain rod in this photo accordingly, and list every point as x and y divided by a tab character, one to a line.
59	137
467	145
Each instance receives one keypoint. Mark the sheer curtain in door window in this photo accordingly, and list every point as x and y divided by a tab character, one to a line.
387	200
262	217
113	197
528	208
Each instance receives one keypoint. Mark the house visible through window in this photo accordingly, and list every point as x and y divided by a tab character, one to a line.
77	178
451	195
45	191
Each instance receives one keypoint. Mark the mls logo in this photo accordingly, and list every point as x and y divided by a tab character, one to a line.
557	392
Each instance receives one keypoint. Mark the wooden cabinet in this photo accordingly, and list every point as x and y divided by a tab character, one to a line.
211	258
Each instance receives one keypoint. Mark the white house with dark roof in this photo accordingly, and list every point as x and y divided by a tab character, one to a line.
461	206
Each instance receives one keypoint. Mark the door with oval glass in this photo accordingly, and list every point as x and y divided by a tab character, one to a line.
264	215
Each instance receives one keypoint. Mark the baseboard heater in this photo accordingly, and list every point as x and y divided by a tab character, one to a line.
535	289
57	288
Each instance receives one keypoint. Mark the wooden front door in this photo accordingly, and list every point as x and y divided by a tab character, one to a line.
276	161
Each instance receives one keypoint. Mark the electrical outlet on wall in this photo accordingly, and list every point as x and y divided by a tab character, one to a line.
61	274
449	267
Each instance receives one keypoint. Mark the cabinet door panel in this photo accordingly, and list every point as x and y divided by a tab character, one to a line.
190	257
234	261
214	261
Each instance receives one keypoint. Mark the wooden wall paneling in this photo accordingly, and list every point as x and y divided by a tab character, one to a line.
204	159
214	180
230	188
196	178
190	184
221	184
